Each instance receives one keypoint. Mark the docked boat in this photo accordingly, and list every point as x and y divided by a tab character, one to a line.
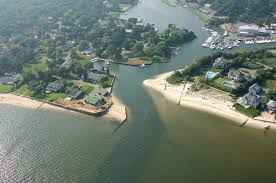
142	65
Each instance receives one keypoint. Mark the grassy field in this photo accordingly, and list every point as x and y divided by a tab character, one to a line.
137	61
251	112
199	13
87	89
5	88
24	90
269	61
218	83
270	84
169	3
39	66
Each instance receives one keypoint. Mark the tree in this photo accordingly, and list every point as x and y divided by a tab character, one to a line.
83	45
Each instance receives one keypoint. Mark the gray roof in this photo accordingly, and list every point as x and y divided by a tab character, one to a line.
95	76
7	80
272	103
256	87
252	98
235	73
100	91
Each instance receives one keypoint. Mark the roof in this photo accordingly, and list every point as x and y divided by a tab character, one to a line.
272	103
95	76
7	80
100	91
256	87
54	86
94	100
75	93
221	60
251	97
235	73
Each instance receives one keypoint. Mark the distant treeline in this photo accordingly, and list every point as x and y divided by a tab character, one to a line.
17	16
257	11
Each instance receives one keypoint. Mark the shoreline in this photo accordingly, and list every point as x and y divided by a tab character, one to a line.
116	112
219	104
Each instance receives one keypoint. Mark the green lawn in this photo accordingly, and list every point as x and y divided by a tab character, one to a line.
251	112
50	97
218	83
55	96
169	3
269	61
5	88
40	65
87	89
199	14
270	84
24	90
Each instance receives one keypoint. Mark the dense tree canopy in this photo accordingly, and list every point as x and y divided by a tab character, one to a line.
257	11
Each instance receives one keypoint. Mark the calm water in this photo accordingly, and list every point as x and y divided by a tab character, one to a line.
161	142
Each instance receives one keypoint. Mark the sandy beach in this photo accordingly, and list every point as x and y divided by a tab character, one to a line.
117	112
208	100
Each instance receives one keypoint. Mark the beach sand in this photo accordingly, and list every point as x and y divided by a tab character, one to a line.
208	100
117	112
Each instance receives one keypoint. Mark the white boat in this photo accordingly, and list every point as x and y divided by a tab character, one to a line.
106	62
139	20
142	65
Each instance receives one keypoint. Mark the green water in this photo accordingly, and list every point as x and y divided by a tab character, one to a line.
160	142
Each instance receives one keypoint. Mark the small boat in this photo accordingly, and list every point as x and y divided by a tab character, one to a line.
125	13
106	62
139	20
142	65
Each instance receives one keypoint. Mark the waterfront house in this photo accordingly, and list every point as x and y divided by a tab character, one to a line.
54	87
95	100
7	80
220	63
249	100
74	94
88	51
271	106
100	91
236	75
255	89
127	54
92	76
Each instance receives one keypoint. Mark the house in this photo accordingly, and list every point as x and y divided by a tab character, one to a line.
220	63
96	76
74	94
54	87
236	75
249	100
100	91
95	100
88	51
7	80
255	89
127	54
271	106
